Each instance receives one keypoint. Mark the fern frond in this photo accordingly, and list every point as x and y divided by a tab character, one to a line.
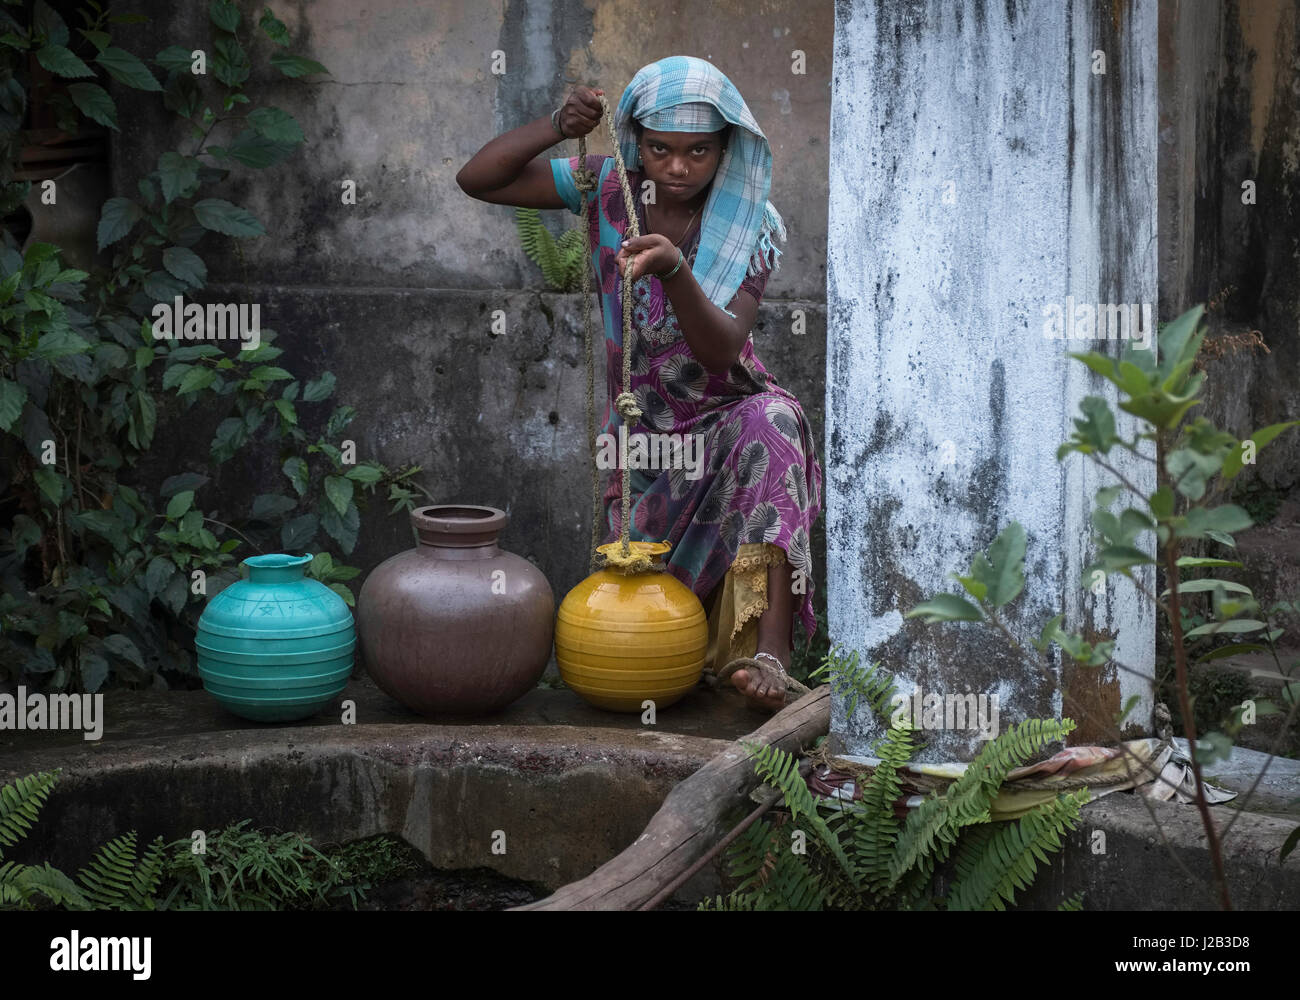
924	842
873	827
20	803
572	250
49	882
849	680
148	876
1074	902
556	259
781	770
793	884
972	795
933	828
773	876
113	881
747	856
1011	855
730	903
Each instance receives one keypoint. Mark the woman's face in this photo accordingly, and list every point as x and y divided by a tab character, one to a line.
681	164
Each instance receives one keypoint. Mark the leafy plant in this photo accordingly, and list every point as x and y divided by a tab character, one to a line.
561	260
87	551
1194	464
239	868
862	857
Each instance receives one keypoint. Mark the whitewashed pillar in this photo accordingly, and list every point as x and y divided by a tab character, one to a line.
988	161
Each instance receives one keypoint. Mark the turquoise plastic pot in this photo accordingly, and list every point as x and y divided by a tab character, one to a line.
276	646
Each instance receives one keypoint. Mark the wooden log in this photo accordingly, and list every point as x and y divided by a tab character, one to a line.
691	820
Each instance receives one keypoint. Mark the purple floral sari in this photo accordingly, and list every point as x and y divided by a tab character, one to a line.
760	482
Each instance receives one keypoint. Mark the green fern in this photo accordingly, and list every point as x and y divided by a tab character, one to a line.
932	828
860	858
19	884
873	828
781	770
21	802
772	876
729	904
561	261
1074	902
1001	862
114	881
849	680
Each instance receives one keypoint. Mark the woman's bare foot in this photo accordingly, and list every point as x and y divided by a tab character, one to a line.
763	687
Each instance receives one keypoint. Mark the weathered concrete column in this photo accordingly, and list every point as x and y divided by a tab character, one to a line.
990	163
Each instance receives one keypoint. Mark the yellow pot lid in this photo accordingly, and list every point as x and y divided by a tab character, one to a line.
643	557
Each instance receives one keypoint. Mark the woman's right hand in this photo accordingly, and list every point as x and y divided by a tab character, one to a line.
581	112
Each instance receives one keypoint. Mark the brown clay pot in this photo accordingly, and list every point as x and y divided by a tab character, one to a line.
456	625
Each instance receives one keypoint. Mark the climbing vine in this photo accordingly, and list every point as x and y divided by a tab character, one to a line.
104	569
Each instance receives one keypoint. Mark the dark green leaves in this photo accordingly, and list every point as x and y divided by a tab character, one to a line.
230	62
178	174
225	15
1201	521
319	389
116	220
221	216
12	397
127	69
1097	431
295	66
296	469
297	533
338	490
93	101
1236	458
995	580
185	265
945	608
1073	645
276	125
175	59
62	62
273	27
272	506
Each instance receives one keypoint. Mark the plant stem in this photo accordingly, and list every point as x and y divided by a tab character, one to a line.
1185	704
1082	713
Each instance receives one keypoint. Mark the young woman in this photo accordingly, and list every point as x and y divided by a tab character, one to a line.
700	170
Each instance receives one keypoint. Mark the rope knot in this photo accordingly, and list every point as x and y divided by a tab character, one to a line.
584	179
627	408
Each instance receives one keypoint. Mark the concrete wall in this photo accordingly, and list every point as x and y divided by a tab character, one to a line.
395	293
1229	113
954	223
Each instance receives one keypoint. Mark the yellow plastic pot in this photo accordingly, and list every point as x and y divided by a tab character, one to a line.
622	639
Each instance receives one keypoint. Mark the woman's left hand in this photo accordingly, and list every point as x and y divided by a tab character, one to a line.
651	254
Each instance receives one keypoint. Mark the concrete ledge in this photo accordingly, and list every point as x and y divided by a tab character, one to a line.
1278	790
1137	872
567	797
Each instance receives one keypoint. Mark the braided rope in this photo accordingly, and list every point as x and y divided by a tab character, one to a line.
625	403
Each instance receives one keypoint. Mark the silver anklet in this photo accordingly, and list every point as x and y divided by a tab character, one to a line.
773	659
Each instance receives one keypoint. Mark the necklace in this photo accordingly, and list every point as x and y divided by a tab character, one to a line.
677	242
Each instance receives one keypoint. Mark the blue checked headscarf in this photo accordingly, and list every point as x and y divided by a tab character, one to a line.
737	233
